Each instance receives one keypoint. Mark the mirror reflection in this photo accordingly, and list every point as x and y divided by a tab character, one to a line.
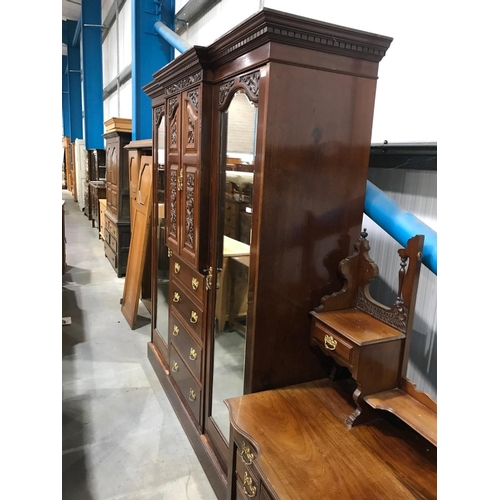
238	134
161	250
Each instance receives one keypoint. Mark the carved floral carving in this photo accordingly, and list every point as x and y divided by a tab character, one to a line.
173	134
193	97
172	104
190	183
159	112
185	82
173	203
190	131
224	91
252	82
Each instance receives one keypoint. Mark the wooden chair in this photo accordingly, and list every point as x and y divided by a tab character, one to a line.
371	339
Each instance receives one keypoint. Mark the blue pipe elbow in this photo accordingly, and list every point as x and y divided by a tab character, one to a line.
400	224
171	37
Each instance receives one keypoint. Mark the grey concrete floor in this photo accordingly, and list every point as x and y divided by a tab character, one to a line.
120	437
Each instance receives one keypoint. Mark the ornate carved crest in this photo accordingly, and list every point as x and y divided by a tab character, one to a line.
185	82
252	82
190	209
193	97
396	316
224	91
173	203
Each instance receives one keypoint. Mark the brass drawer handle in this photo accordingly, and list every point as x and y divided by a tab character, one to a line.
195	284
192	395
330	343
194	317
175	367
245	451
192	355
177	268
177	297
247	481
176	330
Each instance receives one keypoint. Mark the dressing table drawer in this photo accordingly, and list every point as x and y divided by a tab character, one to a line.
189	350
332	343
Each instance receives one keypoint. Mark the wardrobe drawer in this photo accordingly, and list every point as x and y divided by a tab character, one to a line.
193	281
184	307
191	352
331	342
188	386
111	256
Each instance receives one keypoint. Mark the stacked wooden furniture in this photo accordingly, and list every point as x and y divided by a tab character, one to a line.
313	86
118	133
97	184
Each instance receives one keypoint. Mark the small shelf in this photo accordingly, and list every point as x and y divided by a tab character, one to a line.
409	410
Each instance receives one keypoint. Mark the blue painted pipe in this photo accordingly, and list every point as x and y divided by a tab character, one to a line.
171	37
400	224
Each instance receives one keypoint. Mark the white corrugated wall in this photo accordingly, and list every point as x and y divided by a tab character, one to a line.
415	191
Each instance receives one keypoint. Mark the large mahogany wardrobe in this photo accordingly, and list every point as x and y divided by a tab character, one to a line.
261	144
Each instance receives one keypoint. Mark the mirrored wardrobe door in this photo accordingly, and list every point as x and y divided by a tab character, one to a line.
162	260
235	198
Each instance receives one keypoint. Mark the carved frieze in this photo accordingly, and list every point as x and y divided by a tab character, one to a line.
190	184
395	317
184	83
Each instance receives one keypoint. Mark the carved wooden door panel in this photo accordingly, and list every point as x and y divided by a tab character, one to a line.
174	180
142	208
191	168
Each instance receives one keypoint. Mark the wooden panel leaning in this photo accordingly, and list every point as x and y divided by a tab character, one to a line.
373	340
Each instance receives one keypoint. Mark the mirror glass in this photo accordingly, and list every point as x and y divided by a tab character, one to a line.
236	173
162	269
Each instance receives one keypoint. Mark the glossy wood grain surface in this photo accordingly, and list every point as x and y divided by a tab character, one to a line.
357	326
305	450
408	409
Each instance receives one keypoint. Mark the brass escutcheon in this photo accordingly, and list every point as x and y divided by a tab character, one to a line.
330	343
176	330
247	481
175	367
245	451
194	317
192	395
192	354
195	283
177	268
177	297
